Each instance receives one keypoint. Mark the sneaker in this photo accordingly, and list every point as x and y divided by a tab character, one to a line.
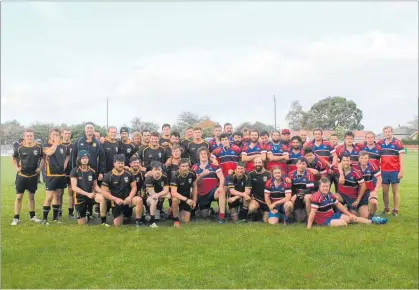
386	212
44	223
157	216
71	216
138	224
57	221
147	217
176	224
221	221
154	225
395	212
14	222
243	221
379	220
35	219
105	225
285	222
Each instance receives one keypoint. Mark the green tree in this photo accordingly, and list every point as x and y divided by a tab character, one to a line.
139	125
77	130
42	130
296	117
413	124
186	119
255	126
11	131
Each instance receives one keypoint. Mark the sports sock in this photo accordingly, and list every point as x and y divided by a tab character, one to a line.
71	211
55	211
103	218
31	214
16	216
45	212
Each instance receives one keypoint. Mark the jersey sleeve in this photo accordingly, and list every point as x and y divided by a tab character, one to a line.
173	180
248	182
73	172
149	182
165	180
287	187
400	146
268	186
107	179
334	198
229	181
94	175
315	200
358	176
16	152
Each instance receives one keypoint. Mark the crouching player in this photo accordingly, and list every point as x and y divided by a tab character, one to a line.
184	192
278	197
238	190
119	186
369	172
84	184
322	213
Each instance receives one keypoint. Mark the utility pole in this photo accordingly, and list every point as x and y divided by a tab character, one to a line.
107	112
275	110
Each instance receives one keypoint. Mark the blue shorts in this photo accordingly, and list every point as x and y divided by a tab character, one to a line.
280	208
335	216
349	200
390	177
204	201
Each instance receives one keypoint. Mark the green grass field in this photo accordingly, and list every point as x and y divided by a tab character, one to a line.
208	255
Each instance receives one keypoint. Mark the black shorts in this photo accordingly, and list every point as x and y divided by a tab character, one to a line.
262	205
53	183
118	210
26	183
204	201
81	209
184	206
235	204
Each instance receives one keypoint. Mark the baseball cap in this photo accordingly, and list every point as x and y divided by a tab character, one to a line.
123	130
285	131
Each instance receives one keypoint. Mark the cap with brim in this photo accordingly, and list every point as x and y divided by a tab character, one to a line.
123	130
82	153
285	131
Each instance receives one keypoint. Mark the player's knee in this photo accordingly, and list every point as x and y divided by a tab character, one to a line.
307	198
175	201
19	197
273	221
138	201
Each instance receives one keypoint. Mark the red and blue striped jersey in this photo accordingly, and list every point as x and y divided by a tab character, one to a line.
301	182
250	151
277	191
324	205
287	145
390	154
319	165
277	150
214	145
368	174
209	182
323	151
342	149
294	156
227	157
352	181
374	152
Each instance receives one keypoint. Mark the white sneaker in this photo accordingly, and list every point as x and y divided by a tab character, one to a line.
35	219
14	222
106	225
154	225
157	217
44	223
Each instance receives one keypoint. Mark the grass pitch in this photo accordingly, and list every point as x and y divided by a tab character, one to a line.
208	255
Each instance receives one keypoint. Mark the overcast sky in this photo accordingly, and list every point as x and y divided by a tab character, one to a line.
225	60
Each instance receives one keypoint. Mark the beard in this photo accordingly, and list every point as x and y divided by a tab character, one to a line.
259	168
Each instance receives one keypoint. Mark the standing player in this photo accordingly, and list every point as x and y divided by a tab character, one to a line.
392	168
69	147
285	138
84	184
302	185
126	147
27	159
246	135
372	148
304	137
257	180
227	155
196	144
322	213
216	142
228	129
136	139
210	180
110	148
119	186
323	149
252	151
348	147
277	153
238	189
185	141
184	192
352	190
154	152
157	189
369	172
165	136
334	140
238	139
295	153
57	157
264	139
278	197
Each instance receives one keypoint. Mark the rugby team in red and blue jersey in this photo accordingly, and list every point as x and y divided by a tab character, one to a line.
269	176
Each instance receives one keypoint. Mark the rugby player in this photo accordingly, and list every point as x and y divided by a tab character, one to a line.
278	197
210	180
238	139
84	184
277	154
164	140
304	137
136	171
238	193
302	185
348	147
145	142
323	149
111	147
322	211
57	157
67	143
120	187
392	168
216	142
172	164
295	153
27	159
228	129
334	140
185	141
257	180
246	135
316	164
252	151
174	141
157	188
196	144
227	155
264	139
136	139
370	146
369	172
154	152
285	138
352	190
126	146
184	191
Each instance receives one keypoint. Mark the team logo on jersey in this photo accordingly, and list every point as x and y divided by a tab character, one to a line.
126	179
62	150
242	183
116	149
35	152
94	145
90	178
159	154
129	150
138	179
162	183
107	149
265	178
81	144
190	180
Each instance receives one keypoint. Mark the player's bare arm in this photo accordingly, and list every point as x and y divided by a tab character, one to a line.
78	190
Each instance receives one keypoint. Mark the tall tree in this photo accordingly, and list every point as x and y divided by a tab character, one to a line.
186	119
296	116
255	126
11	131
42	130
414	123
332	112
139	125
78	130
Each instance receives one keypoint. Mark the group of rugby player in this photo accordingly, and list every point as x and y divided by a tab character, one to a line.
273	177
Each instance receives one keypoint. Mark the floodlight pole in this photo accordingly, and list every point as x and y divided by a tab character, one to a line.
275	110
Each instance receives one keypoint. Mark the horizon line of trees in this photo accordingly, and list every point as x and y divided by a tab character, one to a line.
332	113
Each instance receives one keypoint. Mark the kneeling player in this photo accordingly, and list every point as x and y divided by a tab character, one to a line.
278	197
83	183
322	213
119	186
184	193
157	188
238	187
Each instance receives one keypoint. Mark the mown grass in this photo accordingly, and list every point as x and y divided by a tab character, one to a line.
208	255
